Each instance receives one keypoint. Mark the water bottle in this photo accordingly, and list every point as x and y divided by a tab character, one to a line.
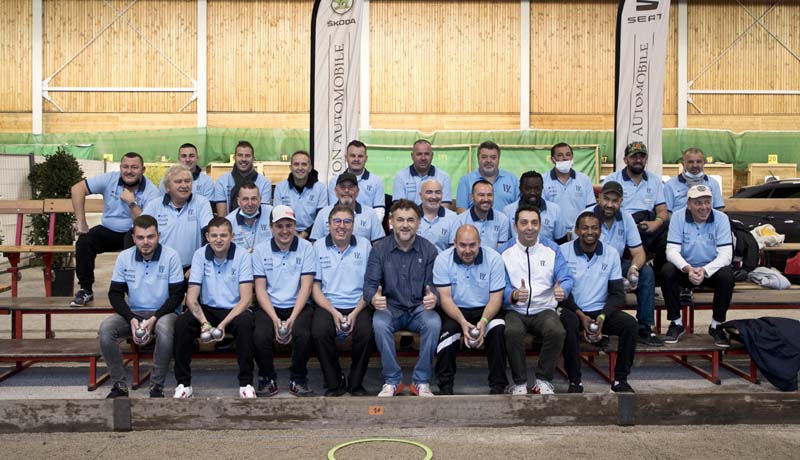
472	341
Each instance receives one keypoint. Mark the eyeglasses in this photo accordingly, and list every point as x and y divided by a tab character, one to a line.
342	221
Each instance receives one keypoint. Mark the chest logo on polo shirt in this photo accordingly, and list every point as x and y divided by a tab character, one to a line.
604	267
297	260
506	188
620	232
357	255
542	263
161	269
444	232
369	188
482	276
363	223
577	188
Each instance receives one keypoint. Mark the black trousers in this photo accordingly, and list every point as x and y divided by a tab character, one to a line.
187	330
264	334
98	240
323	332
672	280
618	323
450	341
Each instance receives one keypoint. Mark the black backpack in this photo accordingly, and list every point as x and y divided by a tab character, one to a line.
745	248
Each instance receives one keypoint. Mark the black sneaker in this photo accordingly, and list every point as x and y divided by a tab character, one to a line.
686	296
575	387
336	392
649	338
621	387
720	337
446	389
498	390
674	332
266	387
119	390
300	389
156	391
358	391
82	297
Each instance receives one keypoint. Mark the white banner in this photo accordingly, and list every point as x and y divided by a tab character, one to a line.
642	27
335	54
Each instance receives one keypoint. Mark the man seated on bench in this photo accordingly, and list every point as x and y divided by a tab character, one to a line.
699	252
537	278
151	275
493	225
338	286
125	193
596	297
250	220
470	279
398	283
284	269
219	298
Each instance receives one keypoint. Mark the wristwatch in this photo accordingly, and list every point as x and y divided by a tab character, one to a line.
133	204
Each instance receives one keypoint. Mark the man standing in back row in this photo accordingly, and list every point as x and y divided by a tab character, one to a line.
408	181
227	187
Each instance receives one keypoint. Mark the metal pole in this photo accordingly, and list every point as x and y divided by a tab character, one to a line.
36	70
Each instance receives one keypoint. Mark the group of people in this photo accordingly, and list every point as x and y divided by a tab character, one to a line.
537	254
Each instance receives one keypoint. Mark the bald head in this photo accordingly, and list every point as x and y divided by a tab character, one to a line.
431	195
467	243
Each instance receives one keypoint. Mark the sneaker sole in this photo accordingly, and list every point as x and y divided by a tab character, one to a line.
264	394
671	341
400	388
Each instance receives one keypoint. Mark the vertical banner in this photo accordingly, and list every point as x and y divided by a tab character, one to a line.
642	27
335	55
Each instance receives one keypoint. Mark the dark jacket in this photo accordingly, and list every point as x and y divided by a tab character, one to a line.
774	345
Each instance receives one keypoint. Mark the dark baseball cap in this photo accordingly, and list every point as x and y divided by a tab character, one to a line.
347	177
611	187
635	147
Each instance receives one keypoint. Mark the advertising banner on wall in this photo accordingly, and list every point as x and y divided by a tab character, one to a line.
642	27
335	49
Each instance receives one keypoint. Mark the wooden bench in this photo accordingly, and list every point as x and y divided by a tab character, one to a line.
26	352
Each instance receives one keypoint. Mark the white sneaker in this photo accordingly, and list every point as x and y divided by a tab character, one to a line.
423	389
247	392
521	389
388	390
182	392
543	387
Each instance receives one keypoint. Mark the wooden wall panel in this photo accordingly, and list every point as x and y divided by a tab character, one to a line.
444	56
120	56
755	62
15	54
259	55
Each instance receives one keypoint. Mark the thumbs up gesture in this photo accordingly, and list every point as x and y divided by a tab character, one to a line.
558	293
379	300
429	300
523	294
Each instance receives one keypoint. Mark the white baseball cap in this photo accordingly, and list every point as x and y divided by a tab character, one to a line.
698	191
282	212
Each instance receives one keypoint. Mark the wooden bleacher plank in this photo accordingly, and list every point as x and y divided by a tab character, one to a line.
12	349
783	247
21	206
57	304
38	248
762	205
65	205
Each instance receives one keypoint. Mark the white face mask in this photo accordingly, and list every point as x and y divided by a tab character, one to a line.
246	215
563	166
692	177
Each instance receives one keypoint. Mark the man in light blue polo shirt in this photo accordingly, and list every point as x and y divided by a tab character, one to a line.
470	279
202	184
284	269
151	276
493	226
438	224
338	287
408	181
596	297
227	187
303	192
552	223
694	160
699	252
219	296
370	185
182	216
250	221
125	193
572	190
367	224
505	184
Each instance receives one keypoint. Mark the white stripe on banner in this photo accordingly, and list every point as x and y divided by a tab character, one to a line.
335	55
642	27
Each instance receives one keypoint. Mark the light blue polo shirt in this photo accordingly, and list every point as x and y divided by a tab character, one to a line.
116	213
623	232
366	223
370	190
181	229
643	197
284	269
506	189
572	197
305	204
225	183
591	275
699	242
552	223
408	183
148	280
202	184
439	230
341	274
248	237
495	229
470	285
219	283
676	189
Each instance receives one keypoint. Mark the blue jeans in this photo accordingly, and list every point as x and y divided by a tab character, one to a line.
645	294
426	322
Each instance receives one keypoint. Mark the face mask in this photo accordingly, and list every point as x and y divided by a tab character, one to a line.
563	166
692	177
246	215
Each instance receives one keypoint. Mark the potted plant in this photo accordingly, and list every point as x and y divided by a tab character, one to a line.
54	178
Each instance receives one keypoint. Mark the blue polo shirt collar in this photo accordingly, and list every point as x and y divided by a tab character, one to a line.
196	172
358	207
578	251
292	247
542	204
690	219
474	216
229	256
683	179
365	175
431	171
626	177
554	176
140	188
240	217
168	199
439	212
478	258
156	255
599	213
